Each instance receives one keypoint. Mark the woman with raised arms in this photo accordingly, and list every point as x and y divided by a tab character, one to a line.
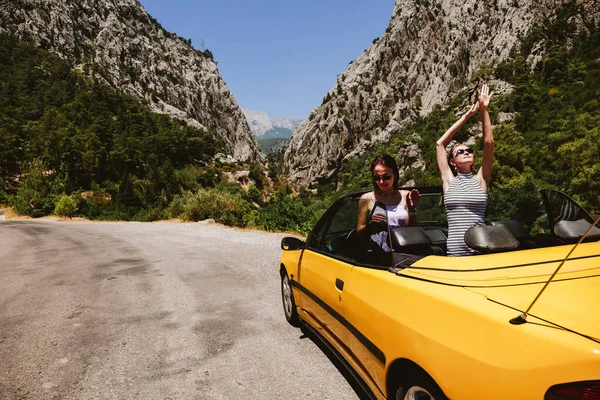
465	194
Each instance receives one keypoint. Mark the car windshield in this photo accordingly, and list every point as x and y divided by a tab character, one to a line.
514	221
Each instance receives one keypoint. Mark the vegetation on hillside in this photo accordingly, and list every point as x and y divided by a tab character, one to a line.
71	145
269	145
553	141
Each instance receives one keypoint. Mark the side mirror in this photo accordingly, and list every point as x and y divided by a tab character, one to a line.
292	243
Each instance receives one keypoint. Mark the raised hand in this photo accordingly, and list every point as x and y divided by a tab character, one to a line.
413	199
484	97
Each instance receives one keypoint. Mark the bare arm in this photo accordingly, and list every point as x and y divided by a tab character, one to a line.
363	212
442	158
412	199
485	172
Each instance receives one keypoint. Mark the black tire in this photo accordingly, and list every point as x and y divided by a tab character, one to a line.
418	387
289	304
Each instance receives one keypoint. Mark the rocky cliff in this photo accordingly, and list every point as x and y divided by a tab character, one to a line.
430	51
117	41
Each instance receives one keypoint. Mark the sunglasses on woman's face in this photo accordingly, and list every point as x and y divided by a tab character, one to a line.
461	151
385	177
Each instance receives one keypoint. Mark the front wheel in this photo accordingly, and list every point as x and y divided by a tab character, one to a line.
289	305
420	388
413	393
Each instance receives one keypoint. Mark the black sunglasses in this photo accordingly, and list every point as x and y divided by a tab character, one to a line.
461	151
385	177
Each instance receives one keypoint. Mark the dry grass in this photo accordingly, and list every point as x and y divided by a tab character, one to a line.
9	214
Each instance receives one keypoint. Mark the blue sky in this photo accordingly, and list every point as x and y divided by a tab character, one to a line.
277	56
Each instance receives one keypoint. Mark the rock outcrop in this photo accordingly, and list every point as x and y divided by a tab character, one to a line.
117	41
430	51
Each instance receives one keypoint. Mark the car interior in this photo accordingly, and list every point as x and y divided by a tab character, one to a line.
566	222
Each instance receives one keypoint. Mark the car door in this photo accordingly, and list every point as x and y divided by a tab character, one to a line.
333	254
325	268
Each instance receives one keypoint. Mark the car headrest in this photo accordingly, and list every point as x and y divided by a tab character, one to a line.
570	230
409	236
490	238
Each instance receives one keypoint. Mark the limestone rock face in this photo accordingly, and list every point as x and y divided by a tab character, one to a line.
430	51
119	42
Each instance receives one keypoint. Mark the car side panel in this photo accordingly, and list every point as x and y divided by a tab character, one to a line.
321	282
290	260
458	336
366	324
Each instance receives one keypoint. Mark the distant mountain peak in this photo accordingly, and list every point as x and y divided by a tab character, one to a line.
264	127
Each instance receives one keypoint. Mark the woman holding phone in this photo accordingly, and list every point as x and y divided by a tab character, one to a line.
400	204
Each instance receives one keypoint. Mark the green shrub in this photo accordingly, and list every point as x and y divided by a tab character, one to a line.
115	213
285	214
38	191
209	177
250	219
188	177
176	207
3	196
221	206
149	214
127	195
66	206
254	195
257	174
232	188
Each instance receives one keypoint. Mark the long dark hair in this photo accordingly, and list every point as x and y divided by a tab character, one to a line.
388	161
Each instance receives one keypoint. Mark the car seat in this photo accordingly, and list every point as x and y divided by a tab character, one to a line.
568	220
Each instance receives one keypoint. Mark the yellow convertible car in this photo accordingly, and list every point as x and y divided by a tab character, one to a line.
519	320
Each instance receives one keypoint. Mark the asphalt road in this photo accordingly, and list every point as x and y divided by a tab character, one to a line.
103	310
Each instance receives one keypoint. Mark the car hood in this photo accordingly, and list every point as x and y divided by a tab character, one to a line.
514	279
571	304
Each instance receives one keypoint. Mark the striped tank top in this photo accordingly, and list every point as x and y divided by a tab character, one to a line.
465	207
